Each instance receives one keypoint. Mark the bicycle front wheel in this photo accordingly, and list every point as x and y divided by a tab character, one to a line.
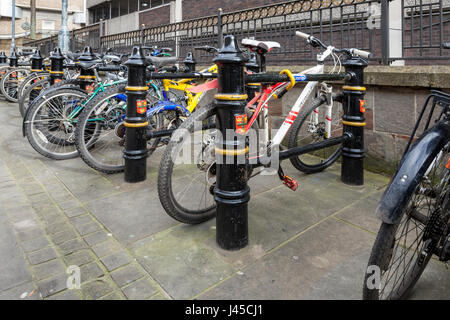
100	134
402	251
187	172
310	126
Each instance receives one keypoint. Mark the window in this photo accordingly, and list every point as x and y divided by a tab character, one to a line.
99	12
48	25
114	8
156	3
133	5
123	7
145	4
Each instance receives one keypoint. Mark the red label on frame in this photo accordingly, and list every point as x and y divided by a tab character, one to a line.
362	106
90	88
141	106
240	122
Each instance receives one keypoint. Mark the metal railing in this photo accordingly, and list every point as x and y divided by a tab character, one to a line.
361	24
79	38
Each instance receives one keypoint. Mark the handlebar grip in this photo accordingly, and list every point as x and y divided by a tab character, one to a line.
281	94
361	53
302	35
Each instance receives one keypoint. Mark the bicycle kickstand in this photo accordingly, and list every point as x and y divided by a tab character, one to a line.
287	181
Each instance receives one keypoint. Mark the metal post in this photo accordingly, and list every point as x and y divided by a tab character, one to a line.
56	68
63	35
13	26
33	19
190	62
231	192
219	28
353	153
385	31
36	62
142	34
136	122
87	76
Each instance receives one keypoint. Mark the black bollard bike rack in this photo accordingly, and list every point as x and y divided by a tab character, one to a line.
87	75
136	121
353	153
13	59
190	62
2	58
56	68
231	192
36	62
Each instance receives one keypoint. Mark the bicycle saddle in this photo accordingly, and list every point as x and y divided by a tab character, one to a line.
88	64
73	55
159	62
260	47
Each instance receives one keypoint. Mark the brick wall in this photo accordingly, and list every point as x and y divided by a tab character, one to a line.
155	17
201	8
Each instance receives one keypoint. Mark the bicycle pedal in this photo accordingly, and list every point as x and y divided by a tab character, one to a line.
290	183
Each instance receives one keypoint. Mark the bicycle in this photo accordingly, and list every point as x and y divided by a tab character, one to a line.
166	111
14	75
186	189
49	123
414	209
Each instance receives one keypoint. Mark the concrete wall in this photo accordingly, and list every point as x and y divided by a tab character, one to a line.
129	22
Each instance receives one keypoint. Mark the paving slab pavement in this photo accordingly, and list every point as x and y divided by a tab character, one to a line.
311	244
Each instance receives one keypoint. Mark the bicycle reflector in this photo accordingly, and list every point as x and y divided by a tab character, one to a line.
141	106
448	164
362	106
240	123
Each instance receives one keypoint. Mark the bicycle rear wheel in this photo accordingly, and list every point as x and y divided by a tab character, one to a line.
309	127
50	123
11	81
402	251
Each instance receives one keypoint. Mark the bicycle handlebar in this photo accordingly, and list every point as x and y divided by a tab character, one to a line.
316	42
207	49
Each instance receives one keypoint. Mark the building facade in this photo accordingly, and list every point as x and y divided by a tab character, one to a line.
48	19
129	15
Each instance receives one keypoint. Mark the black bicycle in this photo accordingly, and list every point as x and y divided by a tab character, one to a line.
414	209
